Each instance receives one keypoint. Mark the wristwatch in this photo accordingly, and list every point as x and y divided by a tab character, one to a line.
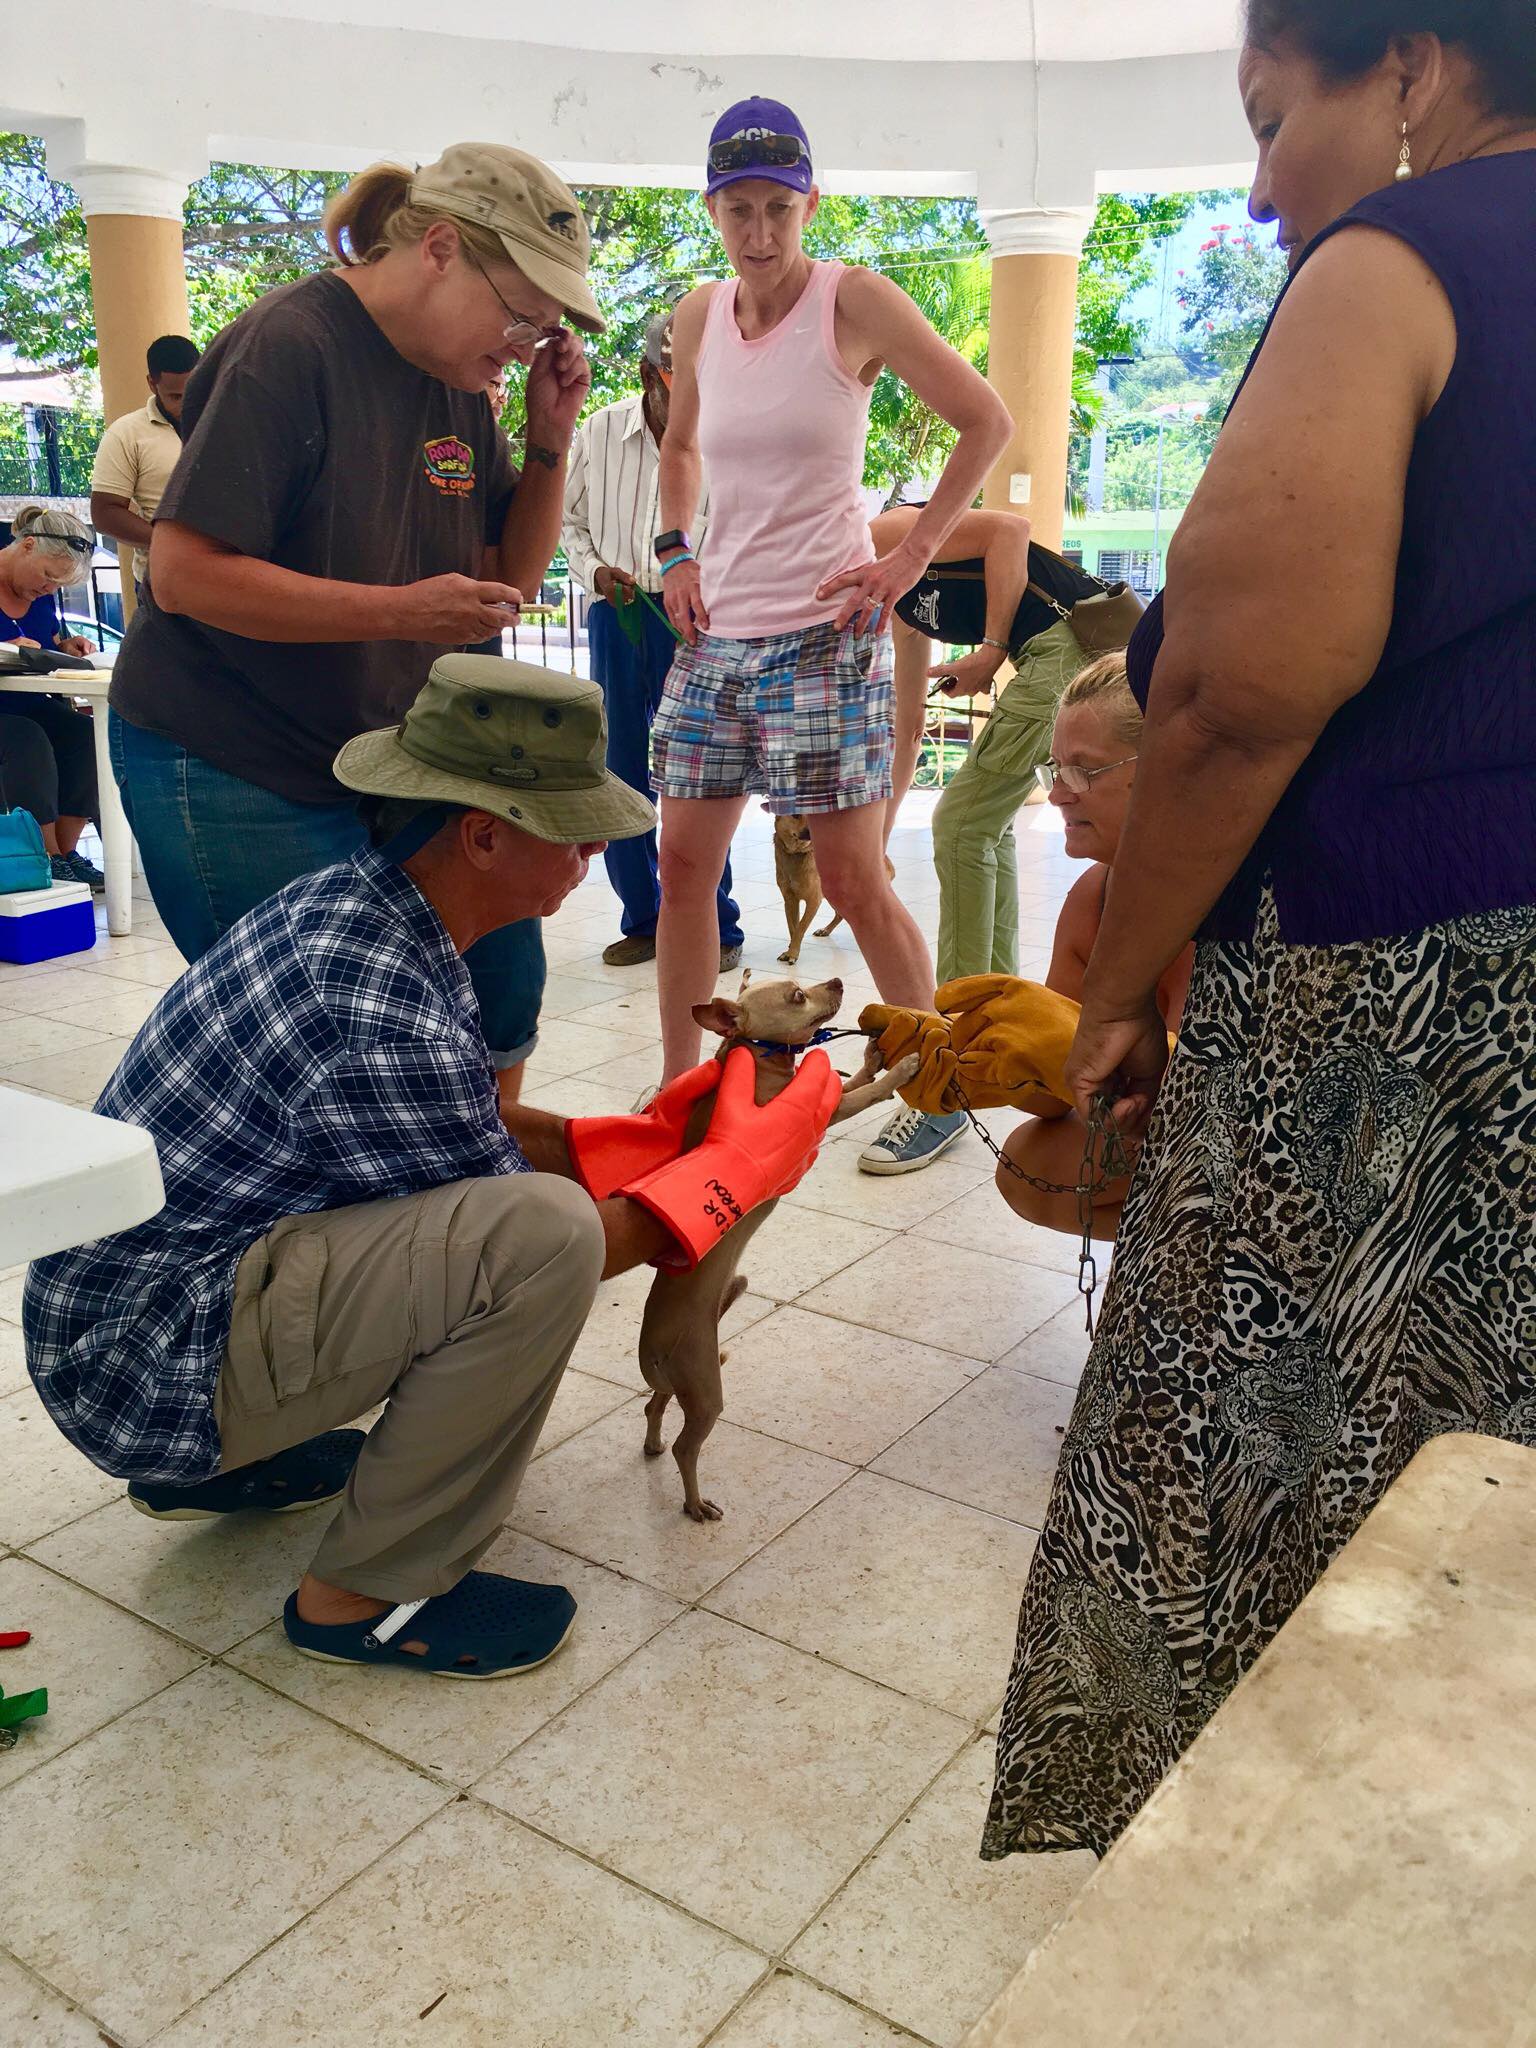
665	543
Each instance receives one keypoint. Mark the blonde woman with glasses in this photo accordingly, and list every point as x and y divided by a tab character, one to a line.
1089	776
47	752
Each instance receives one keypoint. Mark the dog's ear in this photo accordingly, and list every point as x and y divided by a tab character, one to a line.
746	976
720	1015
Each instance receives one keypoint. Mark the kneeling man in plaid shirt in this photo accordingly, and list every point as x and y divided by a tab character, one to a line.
349	1219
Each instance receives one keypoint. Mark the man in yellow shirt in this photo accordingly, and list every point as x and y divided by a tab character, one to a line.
138	452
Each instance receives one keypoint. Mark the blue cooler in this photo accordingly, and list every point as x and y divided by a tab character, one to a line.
40	924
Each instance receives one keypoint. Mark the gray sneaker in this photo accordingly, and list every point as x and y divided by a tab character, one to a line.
912	1140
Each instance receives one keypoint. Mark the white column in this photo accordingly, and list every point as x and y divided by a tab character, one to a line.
133	221
1035	254
133	224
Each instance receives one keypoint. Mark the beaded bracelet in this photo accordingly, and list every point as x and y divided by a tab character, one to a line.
673	562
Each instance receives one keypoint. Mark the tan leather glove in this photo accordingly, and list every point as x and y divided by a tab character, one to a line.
996	1037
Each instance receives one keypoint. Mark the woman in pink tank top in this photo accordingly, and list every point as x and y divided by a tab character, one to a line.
782	684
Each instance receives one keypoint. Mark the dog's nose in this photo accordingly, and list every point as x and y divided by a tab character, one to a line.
836	986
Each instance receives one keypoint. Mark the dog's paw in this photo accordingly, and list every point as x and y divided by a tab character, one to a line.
904	1069
788	957
706	1511
653	1450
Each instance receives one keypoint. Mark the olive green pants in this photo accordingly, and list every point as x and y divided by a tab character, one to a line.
973	843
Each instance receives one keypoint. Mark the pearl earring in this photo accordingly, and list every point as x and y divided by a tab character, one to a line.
1405	158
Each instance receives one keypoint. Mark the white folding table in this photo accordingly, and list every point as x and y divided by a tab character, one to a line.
68	1176
116	839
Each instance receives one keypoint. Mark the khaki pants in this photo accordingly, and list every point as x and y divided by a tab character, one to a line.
973	845
459	1308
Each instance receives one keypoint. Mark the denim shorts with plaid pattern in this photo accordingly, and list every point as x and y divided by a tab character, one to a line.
804	718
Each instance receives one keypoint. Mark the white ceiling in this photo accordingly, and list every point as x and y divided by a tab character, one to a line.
915	31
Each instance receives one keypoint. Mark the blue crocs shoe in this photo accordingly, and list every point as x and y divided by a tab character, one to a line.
488	1626
912	1140
306	1475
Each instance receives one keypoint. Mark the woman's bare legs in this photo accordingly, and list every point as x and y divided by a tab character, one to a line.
1052	1149
696	834
913	652
850	858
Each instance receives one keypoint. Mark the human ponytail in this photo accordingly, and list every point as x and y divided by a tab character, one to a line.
375	213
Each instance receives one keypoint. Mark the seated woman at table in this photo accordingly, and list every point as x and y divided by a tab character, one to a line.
47	756
1094	744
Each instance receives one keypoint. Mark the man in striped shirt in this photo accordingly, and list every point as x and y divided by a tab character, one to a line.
612	503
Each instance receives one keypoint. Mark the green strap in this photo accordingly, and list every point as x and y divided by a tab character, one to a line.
22	1706
629	618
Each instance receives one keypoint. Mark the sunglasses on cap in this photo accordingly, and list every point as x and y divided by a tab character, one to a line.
756	148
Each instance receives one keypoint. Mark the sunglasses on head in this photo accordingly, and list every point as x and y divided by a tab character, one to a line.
757	147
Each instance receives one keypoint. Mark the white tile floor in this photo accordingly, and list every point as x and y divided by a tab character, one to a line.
740	1808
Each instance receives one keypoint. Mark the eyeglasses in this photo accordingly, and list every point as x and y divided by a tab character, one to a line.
757	147
1078	780
523	333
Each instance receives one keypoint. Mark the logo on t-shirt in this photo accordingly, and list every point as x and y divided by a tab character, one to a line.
926	607
450	465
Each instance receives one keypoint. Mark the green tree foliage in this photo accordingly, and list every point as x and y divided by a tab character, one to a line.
24	470
1226	302
1180	394
249	228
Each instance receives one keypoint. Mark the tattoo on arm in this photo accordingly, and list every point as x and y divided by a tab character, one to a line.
548	456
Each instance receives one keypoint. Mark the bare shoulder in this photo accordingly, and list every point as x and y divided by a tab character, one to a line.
865	294
689	315
1083	907
1077	928
1365	307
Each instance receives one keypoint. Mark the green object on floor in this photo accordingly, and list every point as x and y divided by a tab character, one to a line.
22	1706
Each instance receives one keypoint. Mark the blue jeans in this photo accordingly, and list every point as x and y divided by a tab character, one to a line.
631	680
214	847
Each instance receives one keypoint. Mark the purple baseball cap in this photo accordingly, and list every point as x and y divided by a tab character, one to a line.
750	141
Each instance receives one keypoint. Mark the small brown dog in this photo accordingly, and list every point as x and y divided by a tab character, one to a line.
680	1331
794	867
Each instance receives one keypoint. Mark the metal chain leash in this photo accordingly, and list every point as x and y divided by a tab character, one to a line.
1104	1153
1111	1164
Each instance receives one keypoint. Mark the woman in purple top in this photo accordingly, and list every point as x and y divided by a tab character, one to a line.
1328	1255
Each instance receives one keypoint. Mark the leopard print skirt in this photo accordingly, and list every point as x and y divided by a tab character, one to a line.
1328	1257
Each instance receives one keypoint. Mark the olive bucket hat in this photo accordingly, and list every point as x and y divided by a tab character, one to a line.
523	742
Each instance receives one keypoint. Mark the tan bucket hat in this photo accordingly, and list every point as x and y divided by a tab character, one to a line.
535	215
522	742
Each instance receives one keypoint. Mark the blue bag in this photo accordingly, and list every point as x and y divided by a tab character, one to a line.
24	862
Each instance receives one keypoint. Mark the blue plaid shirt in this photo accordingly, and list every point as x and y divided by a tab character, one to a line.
327	1050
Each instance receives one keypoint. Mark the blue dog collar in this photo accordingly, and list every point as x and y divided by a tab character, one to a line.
822	1037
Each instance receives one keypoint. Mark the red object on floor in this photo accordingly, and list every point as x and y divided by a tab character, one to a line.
12	1639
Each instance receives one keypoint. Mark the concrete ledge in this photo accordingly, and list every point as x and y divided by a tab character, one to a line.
1348	1852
